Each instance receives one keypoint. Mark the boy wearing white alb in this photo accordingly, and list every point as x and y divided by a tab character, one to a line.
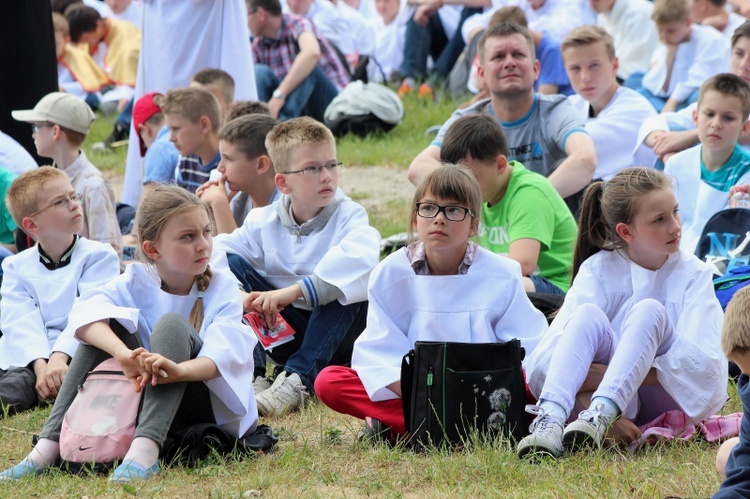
612	113
307	256
706	173
36	347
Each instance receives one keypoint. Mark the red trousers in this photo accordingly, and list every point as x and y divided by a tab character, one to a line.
341	389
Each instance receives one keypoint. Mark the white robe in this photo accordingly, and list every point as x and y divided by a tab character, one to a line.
486	305
634	33
614	130
694	370
180	38
389	46
698	201
136	301
704	55
13	157
36	301
342	253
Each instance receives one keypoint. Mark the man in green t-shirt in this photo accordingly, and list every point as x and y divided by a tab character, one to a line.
523	216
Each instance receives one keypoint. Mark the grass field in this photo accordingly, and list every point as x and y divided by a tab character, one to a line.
319	454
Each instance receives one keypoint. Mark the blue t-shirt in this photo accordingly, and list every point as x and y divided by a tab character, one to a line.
551	67
161	159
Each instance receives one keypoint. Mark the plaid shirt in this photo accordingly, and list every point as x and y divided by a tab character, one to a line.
279	54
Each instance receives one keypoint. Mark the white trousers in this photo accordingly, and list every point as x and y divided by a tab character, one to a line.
588	338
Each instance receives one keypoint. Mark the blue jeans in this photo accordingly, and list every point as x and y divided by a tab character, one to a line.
126	114
658	102
543	285
310	98
324	336
431	40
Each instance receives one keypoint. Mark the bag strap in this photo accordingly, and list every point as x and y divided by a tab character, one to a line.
407	380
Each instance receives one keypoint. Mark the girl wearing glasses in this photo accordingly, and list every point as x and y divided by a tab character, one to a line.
442	287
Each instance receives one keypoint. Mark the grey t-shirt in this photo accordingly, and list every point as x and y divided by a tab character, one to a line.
538	139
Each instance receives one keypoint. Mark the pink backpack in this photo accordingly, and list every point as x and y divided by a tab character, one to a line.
100	423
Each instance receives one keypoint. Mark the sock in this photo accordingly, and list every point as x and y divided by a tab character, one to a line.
606	406
555	410
45	452
143	451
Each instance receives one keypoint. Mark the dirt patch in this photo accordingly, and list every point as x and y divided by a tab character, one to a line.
371	186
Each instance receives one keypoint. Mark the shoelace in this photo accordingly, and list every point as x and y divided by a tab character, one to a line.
594	416
543	421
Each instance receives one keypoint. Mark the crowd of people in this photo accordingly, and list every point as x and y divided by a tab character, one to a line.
561	204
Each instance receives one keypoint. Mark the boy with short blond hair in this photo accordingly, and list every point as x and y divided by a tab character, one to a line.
308	256
523	217
245	168
687	55
193	116
35	348
60	123
612	113
706	173
735	342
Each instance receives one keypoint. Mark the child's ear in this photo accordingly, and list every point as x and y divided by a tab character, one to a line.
150	250
474	226
206	125
29	226
745	127
695	116
281	184
264	164
623	230
502	163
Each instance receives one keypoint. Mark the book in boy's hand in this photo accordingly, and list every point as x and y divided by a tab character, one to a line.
281	333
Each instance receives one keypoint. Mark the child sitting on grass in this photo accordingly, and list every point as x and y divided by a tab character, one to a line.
440	288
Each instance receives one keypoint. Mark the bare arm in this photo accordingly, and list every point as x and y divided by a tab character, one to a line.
215	196
303	65
425	162
671	142
525	252
578	169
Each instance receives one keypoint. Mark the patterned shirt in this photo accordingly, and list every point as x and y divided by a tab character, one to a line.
418	258
97	203
279	54
191	174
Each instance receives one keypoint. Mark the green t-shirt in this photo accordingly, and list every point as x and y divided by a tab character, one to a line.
7	225
532	209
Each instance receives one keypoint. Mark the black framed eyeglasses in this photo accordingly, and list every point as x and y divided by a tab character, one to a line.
452	213
316	170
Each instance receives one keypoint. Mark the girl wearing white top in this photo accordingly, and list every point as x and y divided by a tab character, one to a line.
639	327
168	323
441	288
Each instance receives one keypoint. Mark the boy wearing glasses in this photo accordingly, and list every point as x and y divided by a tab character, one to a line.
35	347
307	256
60	123
523	216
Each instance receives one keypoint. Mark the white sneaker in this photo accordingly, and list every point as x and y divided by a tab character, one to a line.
285	395
546	435
261	384
588	429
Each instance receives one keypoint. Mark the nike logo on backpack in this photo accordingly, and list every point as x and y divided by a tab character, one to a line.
85	448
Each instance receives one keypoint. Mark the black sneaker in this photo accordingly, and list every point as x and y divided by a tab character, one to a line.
118	138
376	431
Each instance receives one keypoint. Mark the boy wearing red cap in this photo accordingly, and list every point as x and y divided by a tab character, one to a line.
161	157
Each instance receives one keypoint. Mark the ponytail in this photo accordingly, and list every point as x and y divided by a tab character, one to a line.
606	204
593	232
196	314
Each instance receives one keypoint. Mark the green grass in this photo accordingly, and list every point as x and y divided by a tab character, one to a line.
398	147
319	455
